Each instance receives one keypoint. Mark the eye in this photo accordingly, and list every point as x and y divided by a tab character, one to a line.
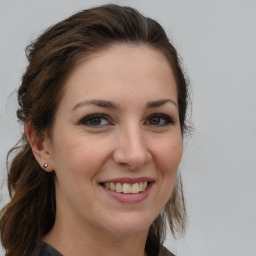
95	120
159	120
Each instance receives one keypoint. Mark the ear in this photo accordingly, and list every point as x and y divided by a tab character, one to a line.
40	146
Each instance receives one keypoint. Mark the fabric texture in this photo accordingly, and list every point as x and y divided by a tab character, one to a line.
45	249
164	252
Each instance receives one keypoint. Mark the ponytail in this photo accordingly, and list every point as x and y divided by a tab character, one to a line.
31	212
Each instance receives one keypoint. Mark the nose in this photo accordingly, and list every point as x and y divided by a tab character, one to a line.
131	148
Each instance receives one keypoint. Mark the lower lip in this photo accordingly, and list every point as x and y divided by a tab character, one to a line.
129	198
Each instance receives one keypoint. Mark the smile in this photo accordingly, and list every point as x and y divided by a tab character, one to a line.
126	188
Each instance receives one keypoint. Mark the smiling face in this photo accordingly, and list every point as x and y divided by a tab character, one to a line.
116	141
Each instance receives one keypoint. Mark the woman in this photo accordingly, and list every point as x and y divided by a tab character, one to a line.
103	102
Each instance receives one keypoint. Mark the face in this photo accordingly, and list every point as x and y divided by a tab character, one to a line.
116	142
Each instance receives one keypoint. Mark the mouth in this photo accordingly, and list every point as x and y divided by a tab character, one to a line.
126	188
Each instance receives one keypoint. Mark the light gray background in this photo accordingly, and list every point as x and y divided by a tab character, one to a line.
217	43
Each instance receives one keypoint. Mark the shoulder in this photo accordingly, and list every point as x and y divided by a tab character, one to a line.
164	252
45	249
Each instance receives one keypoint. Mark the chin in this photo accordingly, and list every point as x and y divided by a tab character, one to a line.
130	224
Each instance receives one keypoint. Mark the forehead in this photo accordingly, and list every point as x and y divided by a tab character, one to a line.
121	70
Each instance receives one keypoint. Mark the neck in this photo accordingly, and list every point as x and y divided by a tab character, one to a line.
69	239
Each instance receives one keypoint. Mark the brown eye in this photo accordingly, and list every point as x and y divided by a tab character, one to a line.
155	120
159	120
95	120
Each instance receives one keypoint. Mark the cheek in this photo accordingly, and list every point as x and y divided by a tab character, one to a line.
77	163
169	154
77	156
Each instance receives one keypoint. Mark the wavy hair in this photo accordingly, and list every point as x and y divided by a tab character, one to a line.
30	214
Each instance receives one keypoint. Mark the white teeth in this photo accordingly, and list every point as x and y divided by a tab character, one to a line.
112	186
127	188
119	187
144	185
135	188
141	186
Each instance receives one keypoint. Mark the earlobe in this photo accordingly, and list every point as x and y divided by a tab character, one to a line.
40	147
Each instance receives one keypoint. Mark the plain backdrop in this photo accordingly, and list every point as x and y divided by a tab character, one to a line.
217	44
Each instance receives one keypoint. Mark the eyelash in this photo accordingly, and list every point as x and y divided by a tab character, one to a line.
87	121
167	119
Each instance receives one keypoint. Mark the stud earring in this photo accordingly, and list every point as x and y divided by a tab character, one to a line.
45	165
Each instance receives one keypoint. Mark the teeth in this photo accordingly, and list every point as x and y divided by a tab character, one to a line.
141	186
119	187
135	188
126	188
144	185
112	186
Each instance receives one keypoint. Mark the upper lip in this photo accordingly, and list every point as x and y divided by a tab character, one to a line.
128	180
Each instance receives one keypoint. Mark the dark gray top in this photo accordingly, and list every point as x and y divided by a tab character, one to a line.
45	249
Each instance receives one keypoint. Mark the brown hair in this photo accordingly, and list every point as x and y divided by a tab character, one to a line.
31	212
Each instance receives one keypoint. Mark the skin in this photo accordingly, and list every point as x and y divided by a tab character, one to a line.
128	141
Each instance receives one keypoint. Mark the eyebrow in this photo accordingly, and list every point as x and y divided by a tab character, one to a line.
99	103
111	105
159	103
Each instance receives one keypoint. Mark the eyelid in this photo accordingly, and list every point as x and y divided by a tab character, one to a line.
87	118
169	120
